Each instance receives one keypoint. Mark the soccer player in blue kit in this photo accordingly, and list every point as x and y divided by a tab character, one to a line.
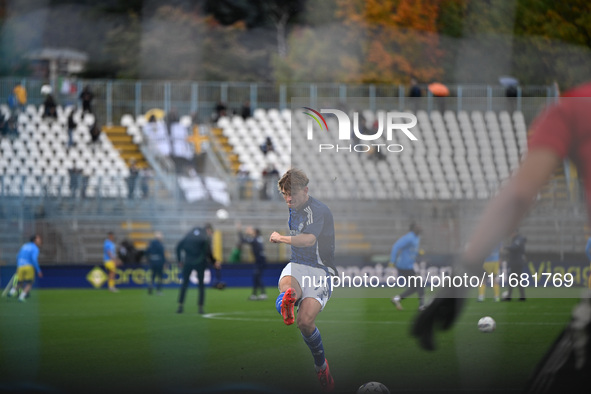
27	264
404	255
110	260
312	240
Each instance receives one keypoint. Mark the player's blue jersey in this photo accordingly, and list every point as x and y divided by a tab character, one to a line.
109	246
314	218
28	255
405	251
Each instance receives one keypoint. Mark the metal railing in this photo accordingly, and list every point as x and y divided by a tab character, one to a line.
78	187
114	98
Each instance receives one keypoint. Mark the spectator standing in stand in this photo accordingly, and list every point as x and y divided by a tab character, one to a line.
86	97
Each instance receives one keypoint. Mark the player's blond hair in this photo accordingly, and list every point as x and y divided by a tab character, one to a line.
293	179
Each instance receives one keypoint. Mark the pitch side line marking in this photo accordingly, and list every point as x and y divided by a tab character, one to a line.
235	316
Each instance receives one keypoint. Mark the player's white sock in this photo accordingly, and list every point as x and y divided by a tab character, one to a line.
22	296
12	292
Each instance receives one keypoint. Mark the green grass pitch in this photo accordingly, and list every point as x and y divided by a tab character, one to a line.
95	341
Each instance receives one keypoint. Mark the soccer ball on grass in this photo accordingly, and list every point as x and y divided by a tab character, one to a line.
373	387
487	324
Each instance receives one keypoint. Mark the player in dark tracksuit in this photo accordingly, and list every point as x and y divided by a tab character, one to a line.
155	256
515	260
252	236
196	247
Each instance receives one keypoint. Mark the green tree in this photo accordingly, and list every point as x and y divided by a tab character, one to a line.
122	47
554	41
279	15
568	21
319	55
176	44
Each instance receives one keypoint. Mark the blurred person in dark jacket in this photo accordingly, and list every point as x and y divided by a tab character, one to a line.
194	254
515	253
252	236
156	259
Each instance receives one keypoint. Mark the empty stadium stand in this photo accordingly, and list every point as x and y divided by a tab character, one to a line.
457	155
39	159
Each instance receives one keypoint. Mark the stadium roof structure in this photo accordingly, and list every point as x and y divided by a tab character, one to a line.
61	60
57	54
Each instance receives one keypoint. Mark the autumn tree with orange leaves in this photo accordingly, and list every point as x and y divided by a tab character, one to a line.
400	38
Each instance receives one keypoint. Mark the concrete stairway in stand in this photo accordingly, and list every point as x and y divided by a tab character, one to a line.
124	144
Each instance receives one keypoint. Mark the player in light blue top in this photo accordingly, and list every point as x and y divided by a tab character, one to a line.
110	260
406	249
109	248
404	255
26	265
